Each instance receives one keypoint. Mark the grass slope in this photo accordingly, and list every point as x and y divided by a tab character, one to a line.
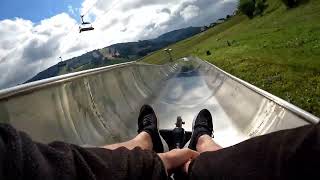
278	52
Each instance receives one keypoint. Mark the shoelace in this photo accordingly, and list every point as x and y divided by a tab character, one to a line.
204	125
147	120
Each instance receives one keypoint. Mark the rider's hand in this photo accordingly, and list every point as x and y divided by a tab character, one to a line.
177	158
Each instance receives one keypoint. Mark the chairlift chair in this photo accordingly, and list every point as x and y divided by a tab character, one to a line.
85	26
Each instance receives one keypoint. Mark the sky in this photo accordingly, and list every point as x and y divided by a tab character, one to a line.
35	33
36	10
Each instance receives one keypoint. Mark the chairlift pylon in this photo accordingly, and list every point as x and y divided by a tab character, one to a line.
61	63
85	26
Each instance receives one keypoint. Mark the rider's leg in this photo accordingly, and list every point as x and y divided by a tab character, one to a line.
287	154
142	140
206	143
148	137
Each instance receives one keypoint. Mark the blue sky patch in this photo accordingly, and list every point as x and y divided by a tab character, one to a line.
37	10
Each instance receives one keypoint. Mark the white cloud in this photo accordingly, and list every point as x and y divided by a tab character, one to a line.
190	12
27	48
150	18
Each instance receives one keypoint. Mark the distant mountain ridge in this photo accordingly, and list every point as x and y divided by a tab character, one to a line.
117	53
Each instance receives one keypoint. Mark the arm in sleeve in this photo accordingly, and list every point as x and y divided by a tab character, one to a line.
287	154
21	158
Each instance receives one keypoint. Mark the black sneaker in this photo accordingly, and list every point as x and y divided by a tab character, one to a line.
148	122
202	125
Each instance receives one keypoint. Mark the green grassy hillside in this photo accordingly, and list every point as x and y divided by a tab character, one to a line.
278	51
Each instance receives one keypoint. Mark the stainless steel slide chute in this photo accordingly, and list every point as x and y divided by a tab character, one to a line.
101	106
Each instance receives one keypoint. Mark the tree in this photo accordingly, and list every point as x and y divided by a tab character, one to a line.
291	3
247	7
260	7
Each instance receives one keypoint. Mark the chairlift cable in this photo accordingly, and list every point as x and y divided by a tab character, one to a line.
107	11
86	12
71	30
97	19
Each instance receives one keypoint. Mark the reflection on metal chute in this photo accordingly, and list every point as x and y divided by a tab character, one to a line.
85	26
